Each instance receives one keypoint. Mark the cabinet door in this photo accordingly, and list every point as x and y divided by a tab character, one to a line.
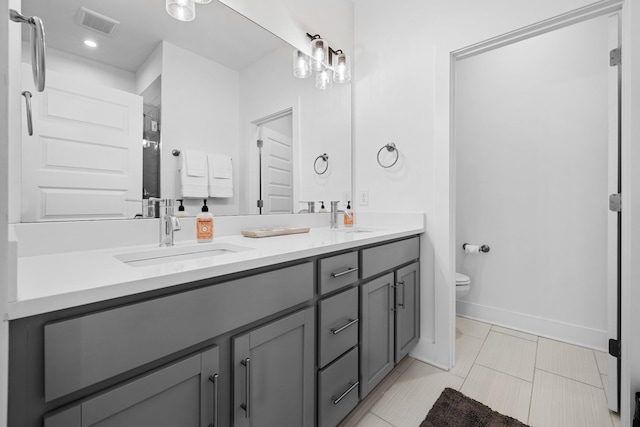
181	394
273	373
407	309
377	332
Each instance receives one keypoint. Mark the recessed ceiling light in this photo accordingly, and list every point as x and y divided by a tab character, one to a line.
90	43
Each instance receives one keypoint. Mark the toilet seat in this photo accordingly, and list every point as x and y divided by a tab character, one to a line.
462	279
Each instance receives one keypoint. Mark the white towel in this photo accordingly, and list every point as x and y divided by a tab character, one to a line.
193	187
220	175
196	162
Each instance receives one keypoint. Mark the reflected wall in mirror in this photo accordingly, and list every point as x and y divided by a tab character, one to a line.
110	117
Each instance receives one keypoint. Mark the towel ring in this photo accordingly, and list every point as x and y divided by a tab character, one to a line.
319	169
391	147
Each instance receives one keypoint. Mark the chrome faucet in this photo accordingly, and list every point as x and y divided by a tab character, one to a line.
168	221
334	214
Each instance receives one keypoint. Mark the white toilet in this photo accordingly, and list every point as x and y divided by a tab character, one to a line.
463	285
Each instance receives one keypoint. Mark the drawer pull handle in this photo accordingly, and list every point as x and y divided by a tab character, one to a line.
335	331
342	273
247	387
214	379
401	283
352	386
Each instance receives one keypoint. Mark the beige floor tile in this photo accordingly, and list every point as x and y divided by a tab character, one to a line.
472	327
558	401
408	401
467	349
501	392
510	355
605	385
602	359
615	418
571	361
374	395
515	333
371	420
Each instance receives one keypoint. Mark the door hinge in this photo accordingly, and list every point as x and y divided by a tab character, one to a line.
260	143
615	57
614	348
615	202
260	203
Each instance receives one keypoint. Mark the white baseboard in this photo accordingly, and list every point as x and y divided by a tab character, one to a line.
548	328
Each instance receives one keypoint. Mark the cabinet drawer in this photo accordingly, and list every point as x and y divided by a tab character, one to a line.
338	389
337	325
83	351
385	257
338	271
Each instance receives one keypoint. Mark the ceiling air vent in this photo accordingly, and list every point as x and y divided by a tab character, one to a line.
96	22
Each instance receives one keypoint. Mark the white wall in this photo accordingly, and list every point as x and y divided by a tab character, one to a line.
200	109
402	75
321	125
531	154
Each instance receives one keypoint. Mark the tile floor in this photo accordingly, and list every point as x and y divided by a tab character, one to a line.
541	382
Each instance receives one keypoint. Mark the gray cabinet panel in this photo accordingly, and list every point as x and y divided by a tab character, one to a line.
83	351
338	389
273	373
407	309
377	332
180	394
388	256
338	271
337	325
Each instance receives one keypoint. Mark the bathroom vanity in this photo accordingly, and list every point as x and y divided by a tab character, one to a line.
298	339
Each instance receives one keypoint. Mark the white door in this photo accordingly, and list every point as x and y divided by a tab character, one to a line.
84	160
277	172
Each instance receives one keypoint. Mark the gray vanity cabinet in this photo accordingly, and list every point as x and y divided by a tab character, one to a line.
182	394
377	334
407	309
273	373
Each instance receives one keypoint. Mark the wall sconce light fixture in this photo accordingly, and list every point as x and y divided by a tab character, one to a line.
329	65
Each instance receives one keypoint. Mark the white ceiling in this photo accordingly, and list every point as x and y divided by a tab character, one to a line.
218	32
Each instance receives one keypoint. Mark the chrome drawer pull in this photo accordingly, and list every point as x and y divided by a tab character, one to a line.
214	379
401	282
247	387
342	273
352	386
335	331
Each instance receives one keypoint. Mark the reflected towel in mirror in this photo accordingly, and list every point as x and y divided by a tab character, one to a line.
220	175
193	186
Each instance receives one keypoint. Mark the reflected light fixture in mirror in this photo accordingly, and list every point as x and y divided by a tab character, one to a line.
202	1
182	10
301	66
323	79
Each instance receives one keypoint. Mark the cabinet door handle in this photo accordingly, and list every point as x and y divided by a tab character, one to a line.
247	387
335	331
352	386
342	273
27	99
401	283
214	380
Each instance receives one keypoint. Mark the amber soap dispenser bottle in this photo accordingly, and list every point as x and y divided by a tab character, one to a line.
348	215
204	225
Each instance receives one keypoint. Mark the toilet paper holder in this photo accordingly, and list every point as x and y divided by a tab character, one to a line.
483	248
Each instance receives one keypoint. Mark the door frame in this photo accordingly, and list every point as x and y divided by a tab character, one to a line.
564	20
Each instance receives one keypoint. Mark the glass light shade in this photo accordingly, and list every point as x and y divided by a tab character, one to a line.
301	67
182	10
319	54
202	1
341	68
323	79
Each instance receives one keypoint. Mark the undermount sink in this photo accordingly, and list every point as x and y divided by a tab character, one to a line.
176	253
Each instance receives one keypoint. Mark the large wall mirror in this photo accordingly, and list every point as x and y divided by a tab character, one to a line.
133	116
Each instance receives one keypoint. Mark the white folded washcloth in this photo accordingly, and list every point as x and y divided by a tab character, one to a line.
196	162
193	187
221	182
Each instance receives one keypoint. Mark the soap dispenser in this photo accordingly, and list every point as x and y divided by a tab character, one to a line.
348	215
181	212
204	224
322	208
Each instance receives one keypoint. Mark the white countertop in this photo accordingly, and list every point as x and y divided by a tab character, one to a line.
56	281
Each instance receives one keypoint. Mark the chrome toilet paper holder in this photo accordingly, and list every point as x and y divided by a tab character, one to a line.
483	248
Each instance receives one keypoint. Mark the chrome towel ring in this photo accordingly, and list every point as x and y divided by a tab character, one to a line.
321	167
391	147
